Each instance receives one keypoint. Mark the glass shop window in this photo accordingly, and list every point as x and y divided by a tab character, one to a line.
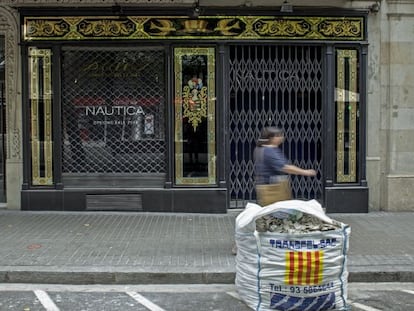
113	110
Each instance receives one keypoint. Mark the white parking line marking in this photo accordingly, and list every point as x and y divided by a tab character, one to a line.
362	307
46	301
145	302
408	291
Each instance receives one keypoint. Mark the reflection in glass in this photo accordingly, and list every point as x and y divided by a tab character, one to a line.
113	111
194	72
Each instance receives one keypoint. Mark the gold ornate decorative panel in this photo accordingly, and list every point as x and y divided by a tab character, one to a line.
205	27
195	140
40	99
347	105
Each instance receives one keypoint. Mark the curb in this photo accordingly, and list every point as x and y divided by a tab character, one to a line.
85	277
115	278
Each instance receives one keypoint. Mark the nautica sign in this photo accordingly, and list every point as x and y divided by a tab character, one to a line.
113	110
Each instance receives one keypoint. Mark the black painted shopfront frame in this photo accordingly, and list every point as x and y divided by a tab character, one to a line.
172	197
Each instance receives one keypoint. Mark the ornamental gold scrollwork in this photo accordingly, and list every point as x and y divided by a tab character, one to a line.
195	102
47	28
229	27
106	28
162	27
282	28
347	105
40	96
220	27
181	27
340	28
194	69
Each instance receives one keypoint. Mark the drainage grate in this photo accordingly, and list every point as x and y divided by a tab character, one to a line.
117	202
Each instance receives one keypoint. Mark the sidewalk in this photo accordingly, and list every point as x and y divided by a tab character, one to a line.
140	248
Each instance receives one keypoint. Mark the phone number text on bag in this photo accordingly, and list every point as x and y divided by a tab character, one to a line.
276	288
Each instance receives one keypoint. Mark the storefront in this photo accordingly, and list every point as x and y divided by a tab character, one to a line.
138	112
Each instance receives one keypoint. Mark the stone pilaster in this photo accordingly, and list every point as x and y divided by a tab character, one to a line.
9	28
397	67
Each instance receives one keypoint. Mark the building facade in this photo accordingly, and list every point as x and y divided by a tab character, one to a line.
157	105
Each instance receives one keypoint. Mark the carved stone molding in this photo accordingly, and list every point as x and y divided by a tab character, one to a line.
10	30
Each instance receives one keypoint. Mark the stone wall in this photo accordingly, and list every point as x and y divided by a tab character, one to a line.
9	28
397	105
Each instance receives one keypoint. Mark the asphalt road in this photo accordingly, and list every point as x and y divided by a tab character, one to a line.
32	297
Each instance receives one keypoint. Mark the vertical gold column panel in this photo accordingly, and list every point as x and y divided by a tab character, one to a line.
347	100
206	110
40	98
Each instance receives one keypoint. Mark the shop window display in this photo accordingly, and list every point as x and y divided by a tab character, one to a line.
113	111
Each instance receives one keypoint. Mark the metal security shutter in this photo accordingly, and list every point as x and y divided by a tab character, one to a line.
275	85
113	111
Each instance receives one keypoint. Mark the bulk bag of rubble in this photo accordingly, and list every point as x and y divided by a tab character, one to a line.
291	256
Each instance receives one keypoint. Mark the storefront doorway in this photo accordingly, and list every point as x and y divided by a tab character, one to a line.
275	85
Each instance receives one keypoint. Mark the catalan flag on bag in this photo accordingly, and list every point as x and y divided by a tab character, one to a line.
304	268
